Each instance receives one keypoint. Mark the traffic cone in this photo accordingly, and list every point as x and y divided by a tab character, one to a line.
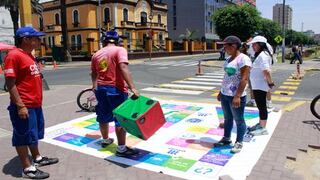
200	72
1	72
55	66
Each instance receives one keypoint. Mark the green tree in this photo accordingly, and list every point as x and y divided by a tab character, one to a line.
13	7
269	30
241	21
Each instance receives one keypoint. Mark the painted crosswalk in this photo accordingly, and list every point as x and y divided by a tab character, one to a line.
190	86
172	63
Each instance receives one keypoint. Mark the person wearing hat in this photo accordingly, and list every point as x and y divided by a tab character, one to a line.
261	82
24	83
232	93
111	80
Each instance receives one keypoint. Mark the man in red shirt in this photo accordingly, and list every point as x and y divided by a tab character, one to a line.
24	83
111	79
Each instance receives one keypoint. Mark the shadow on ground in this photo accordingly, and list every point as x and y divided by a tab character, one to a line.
13	167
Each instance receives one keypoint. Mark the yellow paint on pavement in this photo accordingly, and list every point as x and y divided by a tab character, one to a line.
284	92
294	80
288	87
292	106
281	98
291	83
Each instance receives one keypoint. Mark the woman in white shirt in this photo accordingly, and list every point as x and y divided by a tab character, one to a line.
261	81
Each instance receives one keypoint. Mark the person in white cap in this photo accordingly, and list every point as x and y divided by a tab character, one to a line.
261	82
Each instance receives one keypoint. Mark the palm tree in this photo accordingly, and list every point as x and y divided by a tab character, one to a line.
188	35
13	7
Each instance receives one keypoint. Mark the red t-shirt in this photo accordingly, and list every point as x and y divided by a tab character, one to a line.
105	63
22	66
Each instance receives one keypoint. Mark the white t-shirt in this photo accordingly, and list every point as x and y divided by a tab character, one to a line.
257	78
232	76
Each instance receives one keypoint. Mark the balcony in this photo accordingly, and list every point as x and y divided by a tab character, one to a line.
53	28
128	24
153	25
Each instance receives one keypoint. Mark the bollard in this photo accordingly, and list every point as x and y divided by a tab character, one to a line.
200	72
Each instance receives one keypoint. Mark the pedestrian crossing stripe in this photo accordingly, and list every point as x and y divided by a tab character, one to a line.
171	91
197	82
186	87
291	83
294	80
284	93
292	106
211	76
281	98
215	73
203	79
288	87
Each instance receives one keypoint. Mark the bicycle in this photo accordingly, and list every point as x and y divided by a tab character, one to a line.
86	100
315	106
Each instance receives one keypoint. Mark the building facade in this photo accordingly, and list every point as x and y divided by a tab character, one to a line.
196	16
6	27
134	19
278	15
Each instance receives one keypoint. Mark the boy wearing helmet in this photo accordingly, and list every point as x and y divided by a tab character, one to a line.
111	80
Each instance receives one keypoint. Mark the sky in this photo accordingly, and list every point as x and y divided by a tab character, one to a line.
303	11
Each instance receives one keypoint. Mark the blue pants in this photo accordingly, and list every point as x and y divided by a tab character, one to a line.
26	131
109	98
230	113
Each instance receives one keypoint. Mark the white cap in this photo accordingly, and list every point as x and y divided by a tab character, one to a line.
258	39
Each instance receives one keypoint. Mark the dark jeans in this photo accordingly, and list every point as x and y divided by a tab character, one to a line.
261	100
231	113
296	56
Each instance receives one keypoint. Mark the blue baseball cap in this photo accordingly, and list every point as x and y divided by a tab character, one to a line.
28	32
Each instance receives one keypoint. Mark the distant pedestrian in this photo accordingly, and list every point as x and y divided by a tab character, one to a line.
111	79
222	54
296	55
261	81
232	94
24	83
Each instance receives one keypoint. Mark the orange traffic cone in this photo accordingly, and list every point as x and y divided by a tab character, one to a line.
55	66
200	72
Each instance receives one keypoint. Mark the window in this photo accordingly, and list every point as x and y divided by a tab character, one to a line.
75	18
143	18
159	19
51	41
73	42
125	14
41	23
79	42
57	18
106	15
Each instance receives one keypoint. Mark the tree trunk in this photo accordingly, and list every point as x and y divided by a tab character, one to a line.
64	29
14	12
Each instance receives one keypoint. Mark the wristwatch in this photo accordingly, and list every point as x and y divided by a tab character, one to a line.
271	84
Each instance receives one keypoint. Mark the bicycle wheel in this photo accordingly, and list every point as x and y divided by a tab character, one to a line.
86	100
315	107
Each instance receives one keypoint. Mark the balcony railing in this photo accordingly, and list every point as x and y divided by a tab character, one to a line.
53	27
153	25
127	23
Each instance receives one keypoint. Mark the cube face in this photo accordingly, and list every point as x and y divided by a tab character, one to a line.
141	117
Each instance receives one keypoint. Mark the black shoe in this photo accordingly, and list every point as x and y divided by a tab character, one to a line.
127	152
223	142
45	161
37	174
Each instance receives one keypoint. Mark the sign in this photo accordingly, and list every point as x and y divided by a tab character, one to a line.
278	39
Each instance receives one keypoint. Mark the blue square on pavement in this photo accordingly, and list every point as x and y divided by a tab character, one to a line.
225	150
79	141
94	126
155	159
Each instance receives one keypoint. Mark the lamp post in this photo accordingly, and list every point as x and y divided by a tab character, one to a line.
150	33
283	32
99	23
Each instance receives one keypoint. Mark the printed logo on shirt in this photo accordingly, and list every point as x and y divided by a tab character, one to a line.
230	71
103	65
34	69
8	71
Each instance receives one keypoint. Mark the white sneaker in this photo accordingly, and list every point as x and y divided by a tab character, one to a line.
269	105
259	132
237	147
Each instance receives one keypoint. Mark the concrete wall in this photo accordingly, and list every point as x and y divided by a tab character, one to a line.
6	27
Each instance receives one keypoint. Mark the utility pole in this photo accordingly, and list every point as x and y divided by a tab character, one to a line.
283	32
25	12
64	29
99	23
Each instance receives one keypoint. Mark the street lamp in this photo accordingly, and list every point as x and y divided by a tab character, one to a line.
150	33
99	23
283	32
